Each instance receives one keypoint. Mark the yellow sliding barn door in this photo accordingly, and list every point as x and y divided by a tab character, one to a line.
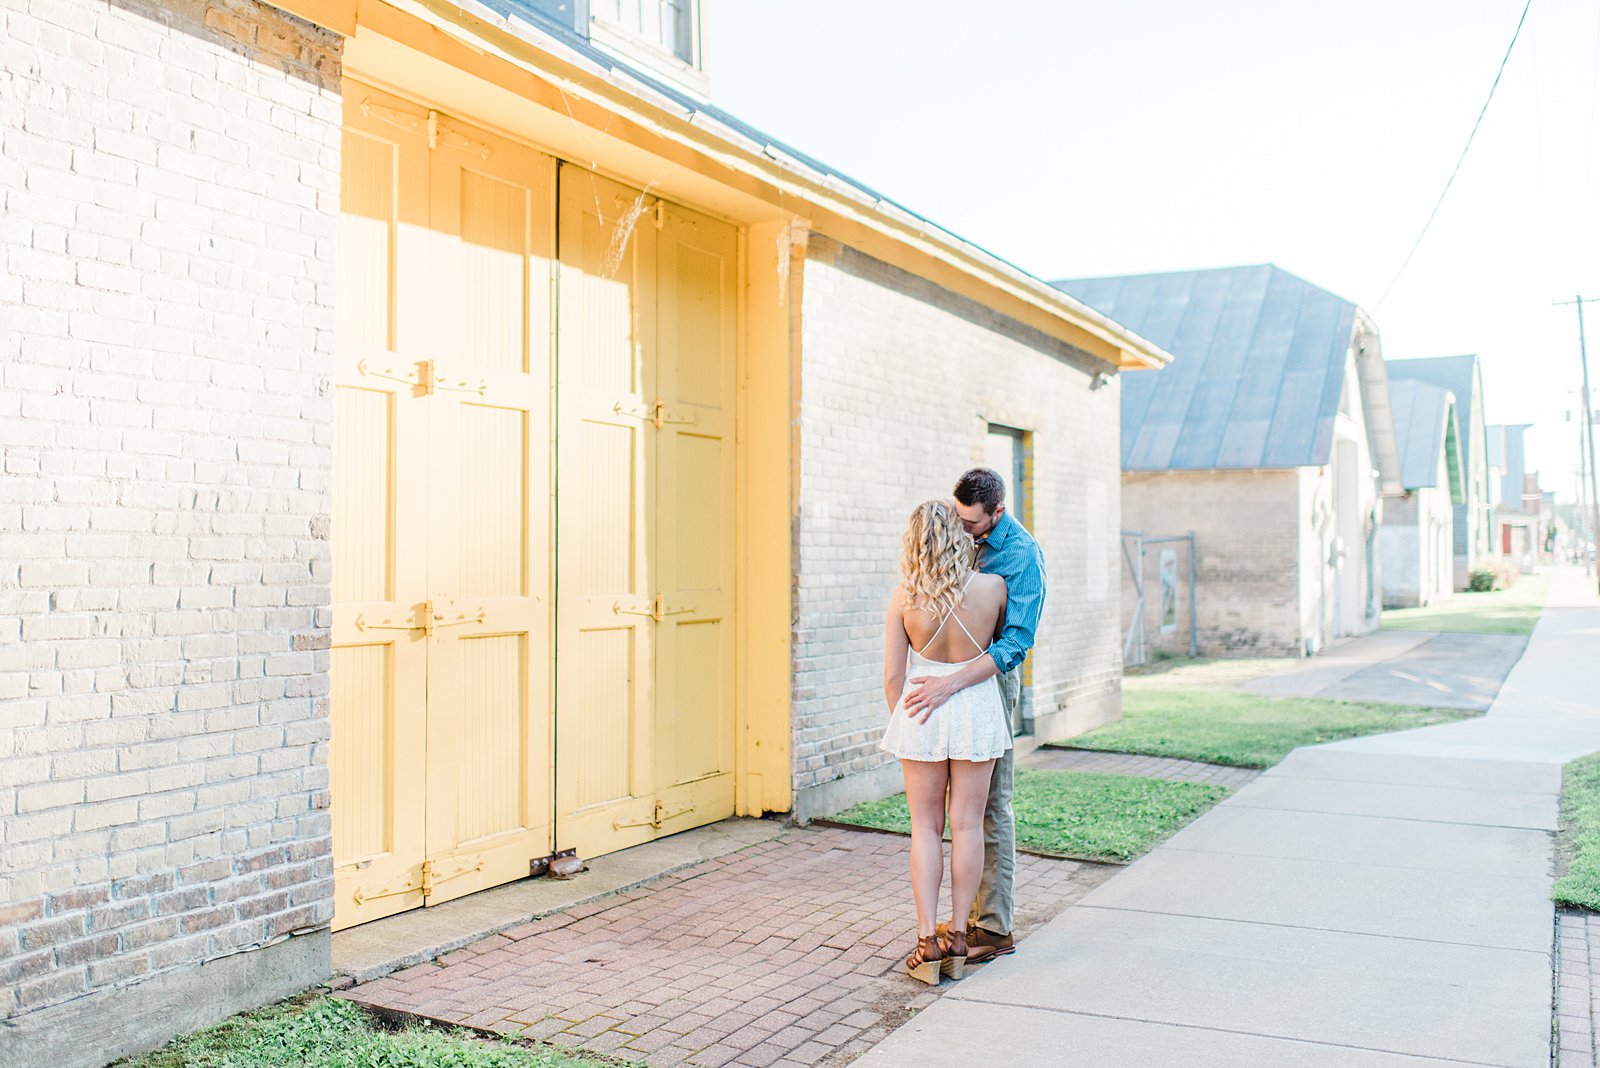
440	759
379	663
644	635
605	636
488	739
696	331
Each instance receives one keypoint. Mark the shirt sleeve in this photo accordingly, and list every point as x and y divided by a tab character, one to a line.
1024	604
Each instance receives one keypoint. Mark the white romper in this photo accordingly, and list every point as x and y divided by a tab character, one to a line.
970	726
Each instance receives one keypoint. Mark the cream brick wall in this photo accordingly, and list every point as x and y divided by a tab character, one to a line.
1247	538
1340	508
168	197
899	381
1417	542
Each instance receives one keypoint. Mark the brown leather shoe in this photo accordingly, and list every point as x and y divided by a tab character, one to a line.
981	945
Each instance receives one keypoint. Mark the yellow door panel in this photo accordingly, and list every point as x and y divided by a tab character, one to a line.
606	495
379	659
442	544
697	323
648	325
488	743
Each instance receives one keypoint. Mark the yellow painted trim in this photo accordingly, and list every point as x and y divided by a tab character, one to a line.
767	492
614	128
414	57
336	15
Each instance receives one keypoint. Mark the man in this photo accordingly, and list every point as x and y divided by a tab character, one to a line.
1005	548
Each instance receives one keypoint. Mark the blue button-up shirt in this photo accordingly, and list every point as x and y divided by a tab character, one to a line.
1010	552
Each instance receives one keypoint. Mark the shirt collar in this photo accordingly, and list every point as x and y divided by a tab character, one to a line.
997	537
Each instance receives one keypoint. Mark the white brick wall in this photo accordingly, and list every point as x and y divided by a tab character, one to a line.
1417	544
1334	596
899	382
168	196
1247	556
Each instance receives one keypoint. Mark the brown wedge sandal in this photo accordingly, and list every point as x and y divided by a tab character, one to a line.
926	963
953	946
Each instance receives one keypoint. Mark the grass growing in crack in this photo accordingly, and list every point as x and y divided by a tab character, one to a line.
1579	839
1080	814
323	1032
1223	726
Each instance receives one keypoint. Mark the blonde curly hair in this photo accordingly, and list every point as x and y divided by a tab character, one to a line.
936	557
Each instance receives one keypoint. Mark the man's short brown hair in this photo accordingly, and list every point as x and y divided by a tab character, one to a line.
981	486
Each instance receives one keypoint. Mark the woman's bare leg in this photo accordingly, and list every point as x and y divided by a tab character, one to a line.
969	794
926	782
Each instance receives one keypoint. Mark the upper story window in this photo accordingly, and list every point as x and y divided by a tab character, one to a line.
659	37
668	25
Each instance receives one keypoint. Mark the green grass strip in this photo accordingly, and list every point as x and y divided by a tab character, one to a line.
323	1032
1579	840
1079	814
1222	726
1513	611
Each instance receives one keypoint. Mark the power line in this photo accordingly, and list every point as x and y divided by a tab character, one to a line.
1460	160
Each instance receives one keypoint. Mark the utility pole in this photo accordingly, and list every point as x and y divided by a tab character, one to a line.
1584	534
1588	417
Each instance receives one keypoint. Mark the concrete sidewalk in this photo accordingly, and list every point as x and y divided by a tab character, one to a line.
1403	667
1382	901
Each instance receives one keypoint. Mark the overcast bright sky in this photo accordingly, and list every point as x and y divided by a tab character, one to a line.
1125	136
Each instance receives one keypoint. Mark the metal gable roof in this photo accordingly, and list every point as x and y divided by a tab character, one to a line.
1425	421
1458	374
1260	369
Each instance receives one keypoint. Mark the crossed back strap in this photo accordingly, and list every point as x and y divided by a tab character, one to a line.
947	617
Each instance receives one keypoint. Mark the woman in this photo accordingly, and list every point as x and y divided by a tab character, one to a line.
942	602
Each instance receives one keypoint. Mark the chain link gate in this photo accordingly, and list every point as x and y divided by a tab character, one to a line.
1136	643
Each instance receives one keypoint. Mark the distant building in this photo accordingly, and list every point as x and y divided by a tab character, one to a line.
1520	522
1418	532
1474	515
1270	437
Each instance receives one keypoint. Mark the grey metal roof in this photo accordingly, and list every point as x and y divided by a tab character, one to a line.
1424	420
1259	369
1458	374
529	12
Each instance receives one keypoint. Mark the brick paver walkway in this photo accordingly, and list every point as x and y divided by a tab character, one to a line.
1150	767
786	953
1577	987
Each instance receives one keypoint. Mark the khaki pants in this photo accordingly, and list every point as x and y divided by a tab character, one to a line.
996	899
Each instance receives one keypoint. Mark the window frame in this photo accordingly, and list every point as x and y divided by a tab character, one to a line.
687	71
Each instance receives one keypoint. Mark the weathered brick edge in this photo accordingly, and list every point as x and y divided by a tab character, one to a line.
169	182
90	1031
1576	994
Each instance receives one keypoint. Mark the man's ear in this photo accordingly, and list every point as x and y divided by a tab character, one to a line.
999	510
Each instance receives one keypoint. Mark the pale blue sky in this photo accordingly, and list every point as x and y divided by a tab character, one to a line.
1077	138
